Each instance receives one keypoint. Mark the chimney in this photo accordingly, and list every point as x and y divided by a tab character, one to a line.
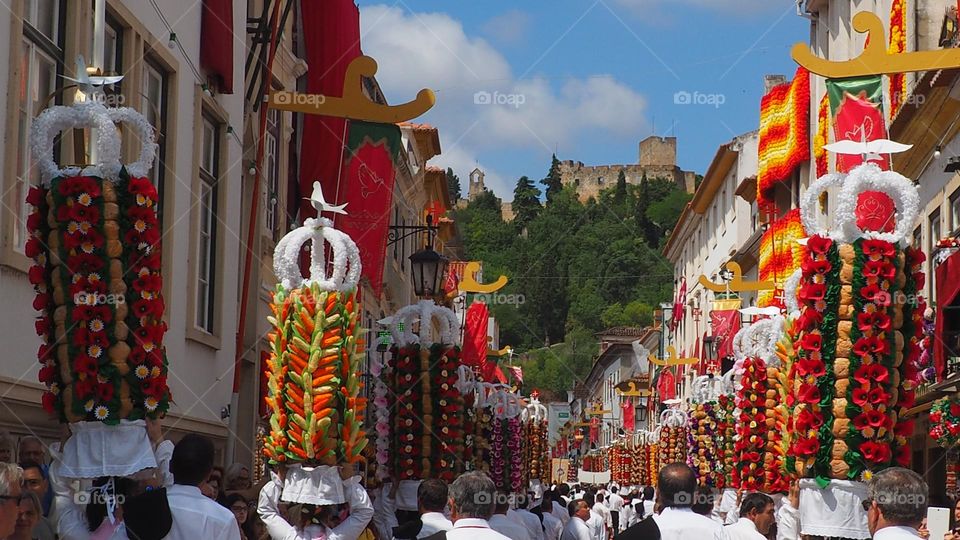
769	81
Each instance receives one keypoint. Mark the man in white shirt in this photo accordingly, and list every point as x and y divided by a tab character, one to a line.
511	527
615	501
595	522
471	508
560	506
528	520
626	517
431	499
195	515
676	487
600	507
756	518
552	526
648	502
577	528
896	504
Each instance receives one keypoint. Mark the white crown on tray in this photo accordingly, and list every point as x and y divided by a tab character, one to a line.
426	312
346	256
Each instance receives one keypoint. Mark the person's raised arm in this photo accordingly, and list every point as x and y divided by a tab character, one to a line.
267	507
361	512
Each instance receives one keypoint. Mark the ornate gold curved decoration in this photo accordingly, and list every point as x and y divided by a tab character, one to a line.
672	360
469	282
736	283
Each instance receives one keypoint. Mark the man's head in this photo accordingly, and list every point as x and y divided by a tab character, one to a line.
10	477
676	485
7	447
237	477
759	509
33	478
432	495
614	490
31	449
564	490
648	493
502	503
192	460
703	501
471	496
589	498
579	508
895	497
28	515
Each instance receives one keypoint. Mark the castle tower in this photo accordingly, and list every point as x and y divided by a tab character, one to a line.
476	184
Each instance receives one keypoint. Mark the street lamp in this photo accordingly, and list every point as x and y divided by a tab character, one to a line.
428	269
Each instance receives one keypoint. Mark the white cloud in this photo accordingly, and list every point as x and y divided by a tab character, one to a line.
417	50
510	27
734	8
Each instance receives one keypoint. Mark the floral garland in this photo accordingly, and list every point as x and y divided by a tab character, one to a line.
898	44
869	394
381	372
812	448
97	277
505	456
784	128
822	137
726	435
945	421
751	426
672	445
703	452
780	254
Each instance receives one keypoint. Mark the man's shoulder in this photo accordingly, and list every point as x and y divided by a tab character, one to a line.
186	502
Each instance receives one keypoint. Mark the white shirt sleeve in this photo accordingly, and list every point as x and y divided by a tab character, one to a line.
277	526
361	512
163	454
788	522
71	522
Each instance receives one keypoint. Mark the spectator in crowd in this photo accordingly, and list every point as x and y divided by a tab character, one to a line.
31	449
500	522
649	501
471	508
431	500
7	447
595	522
676	486
577	528
237	478
35	481
213	487
756	518
615	503
560	504
28	518
196	516
10	477
240	506
552	526
896	504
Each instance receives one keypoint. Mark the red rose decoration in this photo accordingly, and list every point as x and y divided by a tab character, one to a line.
818	244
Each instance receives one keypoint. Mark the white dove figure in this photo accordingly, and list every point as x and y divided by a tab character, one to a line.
321	204
869	149
89	84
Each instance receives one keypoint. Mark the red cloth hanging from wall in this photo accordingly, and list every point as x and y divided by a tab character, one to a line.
948	288
216	36
629	415
474	351
667	385
724	325
331	36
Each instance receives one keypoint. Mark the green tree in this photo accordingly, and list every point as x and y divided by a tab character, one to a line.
453	185
526	203
553	183
620	192
664	213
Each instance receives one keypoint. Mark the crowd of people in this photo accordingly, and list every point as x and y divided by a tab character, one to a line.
187	497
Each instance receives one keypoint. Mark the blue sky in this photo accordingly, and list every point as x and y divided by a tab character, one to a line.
587	78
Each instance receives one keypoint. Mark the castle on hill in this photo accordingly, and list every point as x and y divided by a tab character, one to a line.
657	159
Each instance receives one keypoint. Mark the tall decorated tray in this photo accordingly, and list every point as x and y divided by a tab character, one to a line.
94	239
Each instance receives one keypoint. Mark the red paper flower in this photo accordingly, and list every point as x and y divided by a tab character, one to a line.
807	420
875	452
84	388
806	446
903	455
908	398
877	248
920	279
915	257
879	269
36	275
811	342
812	292
818	244
809	393
79	212
878	396
32	248
85	365
867	322
49	402
142	186
811	266
42	326
869	373
46	374
867	346
34	221
905	428
36	196
807	367
84	263
41	301
104	392
860	396
45	352
876	295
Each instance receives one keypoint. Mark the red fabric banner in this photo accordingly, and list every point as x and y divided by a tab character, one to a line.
454	276
216	34
667	385
678	304
369	173
331	37
594	429
857	108
724	325
948	288
629	415
517	373
474	351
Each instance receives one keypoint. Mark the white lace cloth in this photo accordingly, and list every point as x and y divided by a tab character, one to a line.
834	511
96	449
313	485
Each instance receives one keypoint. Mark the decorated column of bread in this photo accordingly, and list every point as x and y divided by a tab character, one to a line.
945	430
505	440
427	419
653	457
537	469
638	463
855	356
95	242
673	437
313	372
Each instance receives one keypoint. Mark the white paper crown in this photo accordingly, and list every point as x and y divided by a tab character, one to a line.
346	256
319	486
91	114
535	411
759	340
865	177
673	418
426	312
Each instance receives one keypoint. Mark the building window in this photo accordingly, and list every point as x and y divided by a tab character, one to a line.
272	170
918	237
207	231
599	180
934	222
41	63
955	212
576	182
113	47
154	109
